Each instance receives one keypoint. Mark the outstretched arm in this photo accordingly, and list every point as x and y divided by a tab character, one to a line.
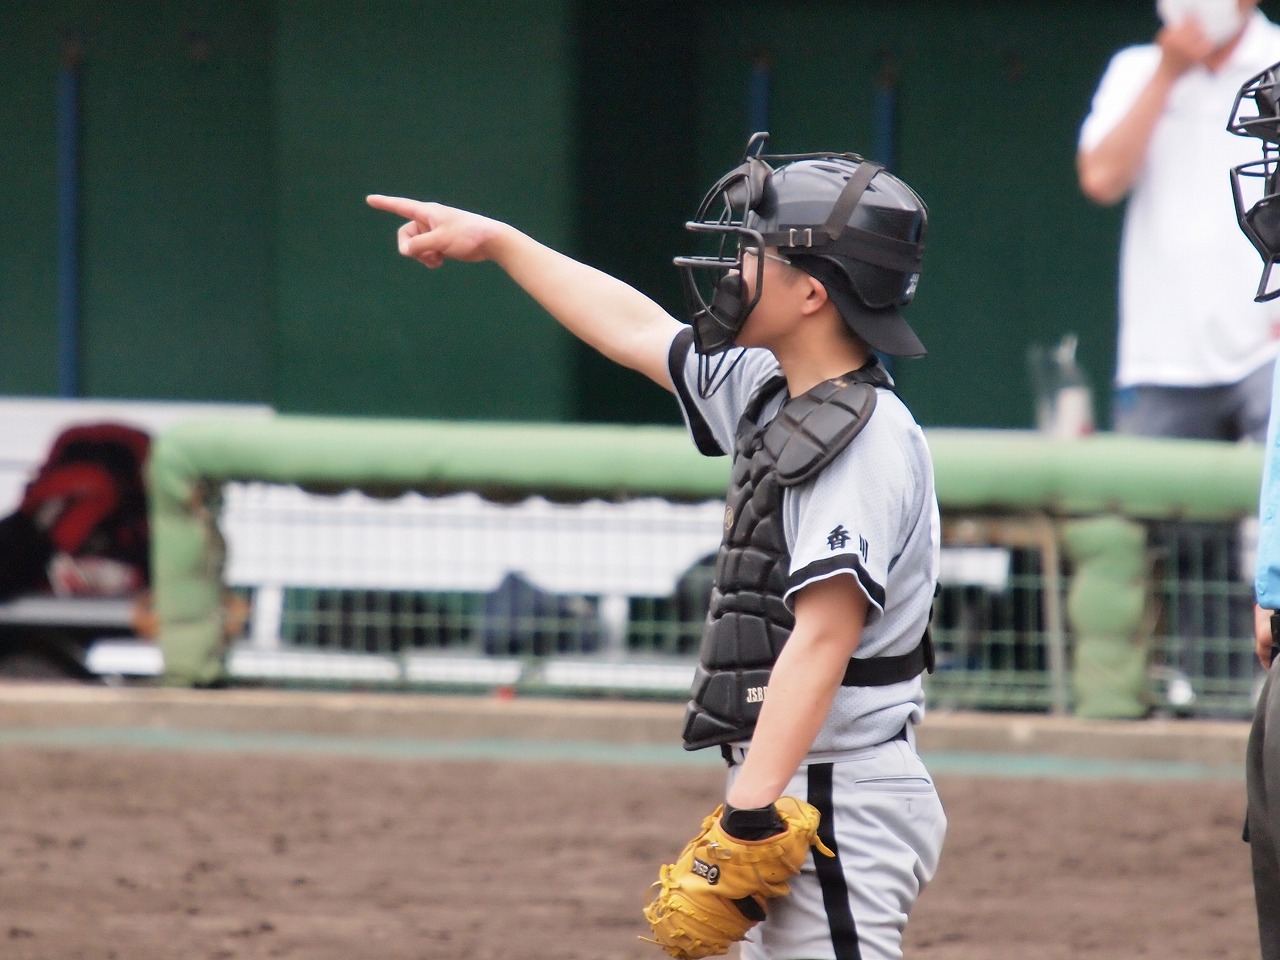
612	317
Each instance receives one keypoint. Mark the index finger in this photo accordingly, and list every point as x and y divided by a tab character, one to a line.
401	206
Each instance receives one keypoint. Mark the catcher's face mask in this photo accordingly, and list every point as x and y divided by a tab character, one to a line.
1256	191
713	279
1255	186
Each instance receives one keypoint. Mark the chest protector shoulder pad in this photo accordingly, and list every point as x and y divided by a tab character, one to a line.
748	623
811	430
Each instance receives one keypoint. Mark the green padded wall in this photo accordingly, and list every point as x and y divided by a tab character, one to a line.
459	101
29	53
637	68
989	96
176	208
227	148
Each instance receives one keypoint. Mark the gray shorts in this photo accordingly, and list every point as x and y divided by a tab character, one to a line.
1229	411
882	817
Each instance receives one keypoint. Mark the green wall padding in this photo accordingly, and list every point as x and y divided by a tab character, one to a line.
1105	603
1145	478
187	591
976	470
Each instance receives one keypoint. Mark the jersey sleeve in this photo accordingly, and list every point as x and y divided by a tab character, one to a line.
848	521
1122	81
713	421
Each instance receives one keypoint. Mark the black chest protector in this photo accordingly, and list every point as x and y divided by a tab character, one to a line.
748	623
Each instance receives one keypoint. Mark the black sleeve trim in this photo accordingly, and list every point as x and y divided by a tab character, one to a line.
703	438
829	565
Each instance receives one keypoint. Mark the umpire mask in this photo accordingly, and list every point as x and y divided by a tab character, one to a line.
1255	186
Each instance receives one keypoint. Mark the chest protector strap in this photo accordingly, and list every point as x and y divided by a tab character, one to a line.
882	671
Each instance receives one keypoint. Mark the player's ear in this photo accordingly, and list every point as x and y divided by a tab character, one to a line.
815	295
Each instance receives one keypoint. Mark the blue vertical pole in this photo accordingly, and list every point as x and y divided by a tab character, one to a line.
68	200
758	95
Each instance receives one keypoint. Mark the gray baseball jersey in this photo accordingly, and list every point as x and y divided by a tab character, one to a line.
871	515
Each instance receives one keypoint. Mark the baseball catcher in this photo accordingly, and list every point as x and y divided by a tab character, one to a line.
809	675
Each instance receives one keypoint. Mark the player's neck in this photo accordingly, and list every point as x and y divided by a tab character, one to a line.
809	364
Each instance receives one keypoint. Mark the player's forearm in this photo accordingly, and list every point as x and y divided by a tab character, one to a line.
801	687
1109	170
608	315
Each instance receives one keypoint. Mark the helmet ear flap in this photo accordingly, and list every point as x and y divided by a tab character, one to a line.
876	287
762	189
750	188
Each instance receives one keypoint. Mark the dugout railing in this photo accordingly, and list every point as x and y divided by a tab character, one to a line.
1081	576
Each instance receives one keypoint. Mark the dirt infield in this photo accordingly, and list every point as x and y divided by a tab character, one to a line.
133	854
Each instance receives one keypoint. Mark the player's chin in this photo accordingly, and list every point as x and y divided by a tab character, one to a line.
745	336
749	338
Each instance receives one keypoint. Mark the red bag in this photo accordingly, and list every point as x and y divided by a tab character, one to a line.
82	525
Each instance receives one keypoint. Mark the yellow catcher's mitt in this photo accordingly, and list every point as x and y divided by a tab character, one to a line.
716	890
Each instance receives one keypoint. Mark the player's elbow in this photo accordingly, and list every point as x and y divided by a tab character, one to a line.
1099	181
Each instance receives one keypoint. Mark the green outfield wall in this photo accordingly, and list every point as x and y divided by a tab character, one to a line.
225	151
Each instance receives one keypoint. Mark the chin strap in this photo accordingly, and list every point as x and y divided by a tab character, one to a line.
709	369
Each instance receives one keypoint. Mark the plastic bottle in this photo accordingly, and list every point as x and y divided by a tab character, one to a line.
1073	400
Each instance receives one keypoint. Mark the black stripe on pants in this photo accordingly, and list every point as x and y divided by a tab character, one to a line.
835	892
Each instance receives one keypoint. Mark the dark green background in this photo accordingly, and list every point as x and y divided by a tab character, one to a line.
227	253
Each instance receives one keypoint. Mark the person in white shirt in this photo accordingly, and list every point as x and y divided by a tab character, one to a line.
1195	352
